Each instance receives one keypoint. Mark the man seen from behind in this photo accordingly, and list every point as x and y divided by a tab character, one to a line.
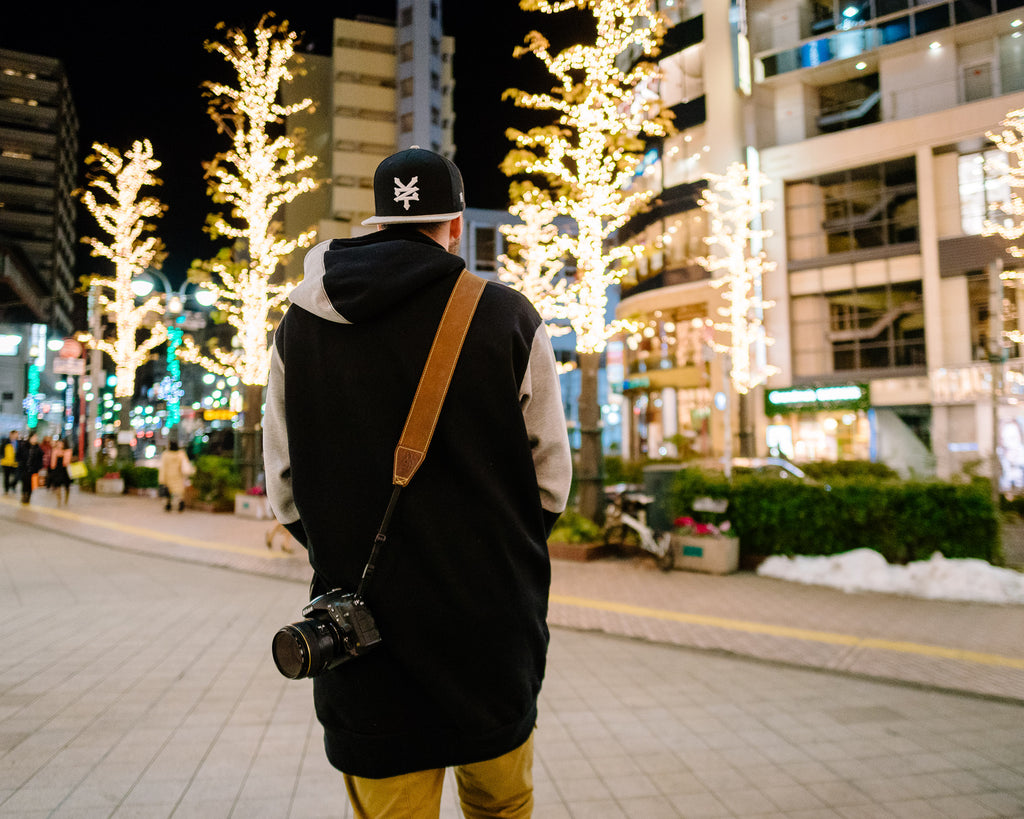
460	591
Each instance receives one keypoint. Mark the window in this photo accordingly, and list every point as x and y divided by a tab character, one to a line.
685	157
682	75
406	16
982	185
849	104
856	209
407	87
874	328
977	300
486	250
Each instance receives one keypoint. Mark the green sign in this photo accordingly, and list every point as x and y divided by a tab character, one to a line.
813	399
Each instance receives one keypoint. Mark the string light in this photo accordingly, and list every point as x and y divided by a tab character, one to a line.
256	177
733	207
590	155
537	272
1007	218
124	218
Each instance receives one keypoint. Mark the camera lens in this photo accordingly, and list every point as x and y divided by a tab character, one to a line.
306	648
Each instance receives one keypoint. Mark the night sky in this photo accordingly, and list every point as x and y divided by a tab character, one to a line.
136	73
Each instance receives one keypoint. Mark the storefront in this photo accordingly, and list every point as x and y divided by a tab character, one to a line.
820	423
666	389
668	421
964	410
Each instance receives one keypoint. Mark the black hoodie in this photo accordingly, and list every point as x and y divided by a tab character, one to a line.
460	592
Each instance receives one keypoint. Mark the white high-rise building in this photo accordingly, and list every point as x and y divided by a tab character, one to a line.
387	86
870	120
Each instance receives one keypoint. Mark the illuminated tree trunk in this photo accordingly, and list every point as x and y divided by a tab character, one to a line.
249	451
262	172
582	167
747	434
590	475
123	214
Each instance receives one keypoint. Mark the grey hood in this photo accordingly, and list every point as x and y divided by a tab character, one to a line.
350	281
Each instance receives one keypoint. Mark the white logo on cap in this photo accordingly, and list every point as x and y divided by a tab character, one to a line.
407	193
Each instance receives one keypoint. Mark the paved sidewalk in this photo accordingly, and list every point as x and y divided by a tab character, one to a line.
136	681
974	647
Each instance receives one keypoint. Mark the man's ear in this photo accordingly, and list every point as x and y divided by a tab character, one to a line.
456	228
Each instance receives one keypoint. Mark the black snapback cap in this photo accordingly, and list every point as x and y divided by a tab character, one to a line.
416	185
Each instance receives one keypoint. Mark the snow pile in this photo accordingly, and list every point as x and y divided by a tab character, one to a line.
937	579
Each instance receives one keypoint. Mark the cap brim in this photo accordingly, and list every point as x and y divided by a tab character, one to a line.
421	219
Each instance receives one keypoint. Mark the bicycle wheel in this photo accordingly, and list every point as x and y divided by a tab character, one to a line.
621	537
667	559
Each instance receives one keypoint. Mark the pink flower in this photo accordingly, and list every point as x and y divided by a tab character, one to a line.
684	522
703	529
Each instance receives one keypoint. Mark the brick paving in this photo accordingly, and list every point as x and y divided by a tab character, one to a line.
135	680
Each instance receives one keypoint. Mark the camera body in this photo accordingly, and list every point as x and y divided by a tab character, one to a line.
338	628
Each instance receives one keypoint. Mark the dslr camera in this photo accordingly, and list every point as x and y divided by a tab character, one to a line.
338	627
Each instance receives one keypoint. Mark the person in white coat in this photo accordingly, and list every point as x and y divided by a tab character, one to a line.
174	471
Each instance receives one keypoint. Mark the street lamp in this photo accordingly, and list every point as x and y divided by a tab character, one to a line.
177	319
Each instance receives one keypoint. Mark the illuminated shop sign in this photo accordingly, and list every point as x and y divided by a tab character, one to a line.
812	399
9	344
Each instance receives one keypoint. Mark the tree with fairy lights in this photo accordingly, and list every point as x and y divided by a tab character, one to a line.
261	173
737	265
124	213
1007	218
604	104
536	268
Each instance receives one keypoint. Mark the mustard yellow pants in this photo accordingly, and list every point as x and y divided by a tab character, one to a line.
500	788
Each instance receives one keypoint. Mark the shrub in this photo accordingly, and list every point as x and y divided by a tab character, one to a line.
619	470
139	477
904	520
216	479
572	527
826	471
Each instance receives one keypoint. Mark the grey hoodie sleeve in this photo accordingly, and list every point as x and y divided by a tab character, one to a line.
276	461
541	400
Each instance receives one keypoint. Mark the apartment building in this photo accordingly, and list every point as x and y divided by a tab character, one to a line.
391	88
38	144
869	119
38	148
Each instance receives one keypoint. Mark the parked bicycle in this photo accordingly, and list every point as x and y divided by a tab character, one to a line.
626	528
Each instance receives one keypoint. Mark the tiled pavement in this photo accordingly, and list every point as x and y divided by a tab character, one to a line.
133	685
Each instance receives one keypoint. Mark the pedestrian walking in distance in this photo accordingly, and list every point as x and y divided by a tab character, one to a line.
9	462
30	463
57	478
173	473
460	591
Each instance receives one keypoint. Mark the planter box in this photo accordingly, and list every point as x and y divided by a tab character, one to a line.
580	552
706	553
253	506
110	486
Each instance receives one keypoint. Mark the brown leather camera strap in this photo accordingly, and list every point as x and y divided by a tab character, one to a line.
437	375
426	403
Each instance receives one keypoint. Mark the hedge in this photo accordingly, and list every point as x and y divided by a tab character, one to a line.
904	520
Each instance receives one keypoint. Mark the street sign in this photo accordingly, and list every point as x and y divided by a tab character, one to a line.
69	366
